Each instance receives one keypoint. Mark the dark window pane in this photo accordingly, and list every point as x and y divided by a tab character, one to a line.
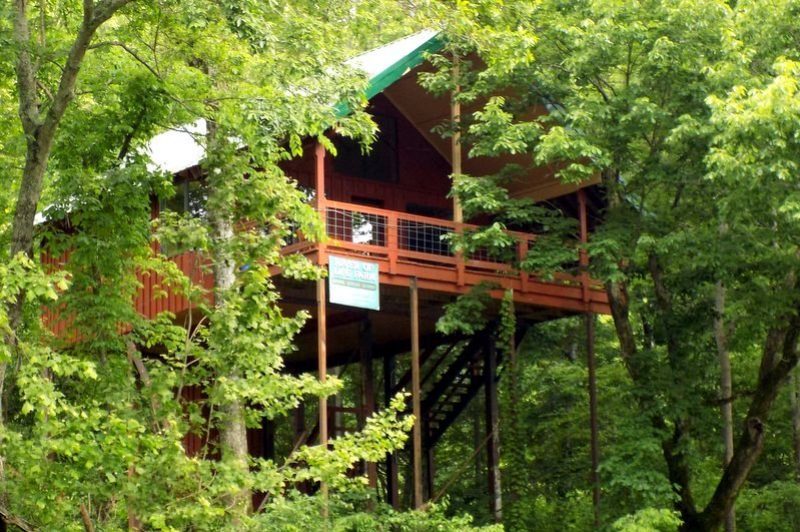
348	160
176	203
196	198
380	164
190	197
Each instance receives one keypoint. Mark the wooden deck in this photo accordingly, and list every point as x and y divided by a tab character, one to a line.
407	246
404	246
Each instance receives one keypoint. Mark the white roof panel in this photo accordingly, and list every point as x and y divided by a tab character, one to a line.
177	149
377	60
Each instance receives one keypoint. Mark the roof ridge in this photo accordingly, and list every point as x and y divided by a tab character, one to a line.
390	43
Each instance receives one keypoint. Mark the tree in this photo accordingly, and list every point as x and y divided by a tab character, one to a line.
679	111
95	421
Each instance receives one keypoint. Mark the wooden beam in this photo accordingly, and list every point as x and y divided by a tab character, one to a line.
583	256
415	395
322	372
322	340
492	430
392	481
455	140
322	360
367	389
319	187
593	422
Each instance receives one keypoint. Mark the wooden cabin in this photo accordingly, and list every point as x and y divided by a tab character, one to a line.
388	211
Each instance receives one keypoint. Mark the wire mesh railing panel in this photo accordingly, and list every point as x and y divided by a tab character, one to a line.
356	227
424	237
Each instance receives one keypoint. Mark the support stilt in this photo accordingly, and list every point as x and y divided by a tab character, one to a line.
430	472
367	389
392	488
593	425
415	395
322	370
590	356
492	430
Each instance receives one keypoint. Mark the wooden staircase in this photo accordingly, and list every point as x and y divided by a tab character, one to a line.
451	376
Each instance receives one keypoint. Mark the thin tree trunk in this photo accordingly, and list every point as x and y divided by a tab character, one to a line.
778	360
232	429
726	387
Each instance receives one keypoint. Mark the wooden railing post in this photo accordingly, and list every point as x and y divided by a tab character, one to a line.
583	256
392	242
460	263
522	254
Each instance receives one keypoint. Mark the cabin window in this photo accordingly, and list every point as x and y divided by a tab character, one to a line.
190	197
427	210
380	163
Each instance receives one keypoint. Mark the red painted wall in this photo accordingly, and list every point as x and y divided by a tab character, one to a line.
422	173
422	180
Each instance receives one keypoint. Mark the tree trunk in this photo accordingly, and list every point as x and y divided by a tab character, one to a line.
232	429
40	130
726	387
677	467
773	372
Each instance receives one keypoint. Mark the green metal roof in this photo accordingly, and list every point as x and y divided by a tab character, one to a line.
386	64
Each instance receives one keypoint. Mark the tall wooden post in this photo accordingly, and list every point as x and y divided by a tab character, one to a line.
455	156
492	430
591	361
322	329
392	491
415	395
583	256
455	140
593	425
322	367
367	388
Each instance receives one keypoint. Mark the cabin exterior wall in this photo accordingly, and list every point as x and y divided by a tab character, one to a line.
422	183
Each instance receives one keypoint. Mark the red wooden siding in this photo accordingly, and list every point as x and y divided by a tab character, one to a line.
153	297
422	173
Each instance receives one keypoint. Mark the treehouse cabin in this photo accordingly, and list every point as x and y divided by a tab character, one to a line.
387	215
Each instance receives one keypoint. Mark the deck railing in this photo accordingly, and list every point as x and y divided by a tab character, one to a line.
400	242
407	237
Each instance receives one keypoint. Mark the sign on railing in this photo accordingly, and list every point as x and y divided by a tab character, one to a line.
355	283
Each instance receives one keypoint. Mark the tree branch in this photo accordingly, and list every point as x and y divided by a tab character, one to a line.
16	521
130	51
88	526
26	75
750	444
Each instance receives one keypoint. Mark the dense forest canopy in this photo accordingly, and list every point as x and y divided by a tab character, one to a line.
686	112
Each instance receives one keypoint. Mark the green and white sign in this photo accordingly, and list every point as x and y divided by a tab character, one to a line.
355	283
